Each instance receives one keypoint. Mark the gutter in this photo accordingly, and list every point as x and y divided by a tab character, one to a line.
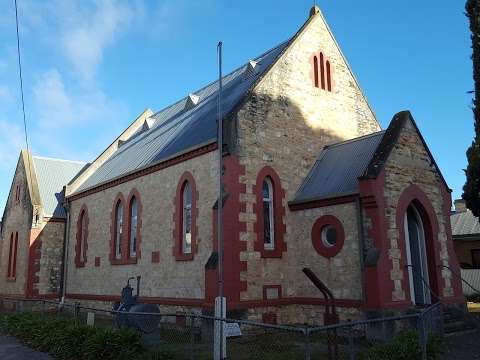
361	238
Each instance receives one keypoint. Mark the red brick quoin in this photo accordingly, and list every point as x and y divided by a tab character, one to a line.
178	218
278	214
81	254
320	247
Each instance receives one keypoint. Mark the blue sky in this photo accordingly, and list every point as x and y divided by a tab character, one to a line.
90	67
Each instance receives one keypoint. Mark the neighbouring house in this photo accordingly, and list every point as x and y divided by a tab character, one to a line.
311	180
33	227
466	236
466	241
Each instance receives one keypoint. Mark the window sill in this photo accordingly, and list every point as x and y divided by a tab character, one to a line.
11	279
184	257
130	261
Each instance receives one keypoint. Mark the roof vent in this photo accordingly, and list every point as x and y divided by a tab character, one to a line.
192	101
251	69
147	125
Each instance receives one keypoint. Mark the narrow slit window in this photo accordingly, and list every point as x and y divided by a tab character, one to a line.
268	221
133	226
329	77
322	71
14	265
187	219
315	70
10	257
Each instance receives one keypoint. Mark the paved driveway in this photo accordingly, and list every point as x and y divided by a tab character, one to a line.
12	349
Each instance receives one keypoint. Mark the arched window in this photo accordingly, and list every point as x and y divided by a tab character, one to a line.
315	70
133	226
82	238
187	218
268	214
322	70
329	77
118	229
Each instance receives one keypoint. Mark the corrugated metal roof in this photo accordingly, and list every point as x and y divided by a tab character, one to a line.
472	276
52	175
338	168
177	128
464	223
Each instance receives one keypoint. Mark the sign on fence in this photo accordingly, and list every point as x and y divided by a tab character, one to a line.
232	330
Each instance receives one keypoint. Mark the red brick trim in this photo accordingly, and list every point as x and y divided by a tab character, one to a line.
278	214
320	247
144	299
34	257
97	261
178	218
269	318
155	257
452	256
133	259
345	199
81	258
10	255
249	304
414	195
113	230
266	287
54	219
148	170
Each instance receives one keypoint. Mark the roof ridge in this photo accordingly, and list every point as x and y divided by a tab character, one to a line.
56	159
348	141
223	77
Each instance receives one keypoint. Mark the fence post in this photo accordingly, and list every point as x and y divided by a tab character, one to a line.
422	337
307	343
351	351
192	338
76	312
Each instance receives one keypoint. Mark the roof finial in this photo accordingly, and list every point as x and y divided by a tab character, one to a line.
315	9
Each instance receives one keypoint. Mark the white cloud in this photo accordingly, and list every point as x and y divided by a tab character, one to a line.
85	43
58	106
11	142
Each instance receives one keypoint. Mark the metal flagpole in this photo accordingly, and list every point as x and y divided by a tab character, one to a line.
221	302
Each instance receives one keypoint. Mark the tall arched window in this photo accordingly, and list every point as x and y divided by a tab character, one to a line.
118	229
268	215
82	238
187	218
329	77
133	226
322	70
315	70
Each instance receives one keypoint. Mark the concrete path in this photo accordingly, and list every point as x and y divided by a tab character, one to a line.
463	347
12	349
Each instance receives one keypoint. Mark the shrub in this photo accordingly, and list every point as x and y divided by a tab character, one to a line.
404	347
67	340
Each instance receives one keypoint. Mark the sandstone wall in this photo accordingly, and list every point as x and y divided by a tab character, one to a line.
285	124
168	277
17	218
409	163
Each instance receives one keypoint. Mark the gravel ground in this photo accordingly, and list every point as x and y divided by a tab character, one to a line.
463	347
12	349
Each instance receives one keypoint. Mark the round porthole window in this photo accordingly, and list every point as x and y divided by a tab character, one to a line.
328	236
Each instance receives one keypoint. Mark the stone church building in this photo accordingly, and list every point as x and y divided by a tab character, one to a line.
311	180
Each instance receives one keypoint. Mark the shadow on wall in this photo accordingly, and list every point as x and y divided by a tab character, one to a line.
44	260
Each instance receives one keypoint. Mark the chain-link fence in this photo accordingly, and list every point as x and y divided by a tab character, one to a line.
191	336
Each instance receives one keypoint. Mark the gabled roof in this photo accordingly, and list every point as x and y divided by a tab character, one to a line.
465	224
340	166
337	169
52	175
183	126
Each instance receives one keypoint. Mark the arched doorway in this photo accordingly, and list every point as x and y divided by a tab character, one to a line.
417	261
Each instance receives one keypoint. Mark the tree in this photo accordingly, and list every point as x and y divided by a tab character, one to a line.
471	189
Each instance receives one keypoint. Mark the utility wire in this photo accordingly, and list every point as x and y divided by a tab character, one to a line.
21	92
